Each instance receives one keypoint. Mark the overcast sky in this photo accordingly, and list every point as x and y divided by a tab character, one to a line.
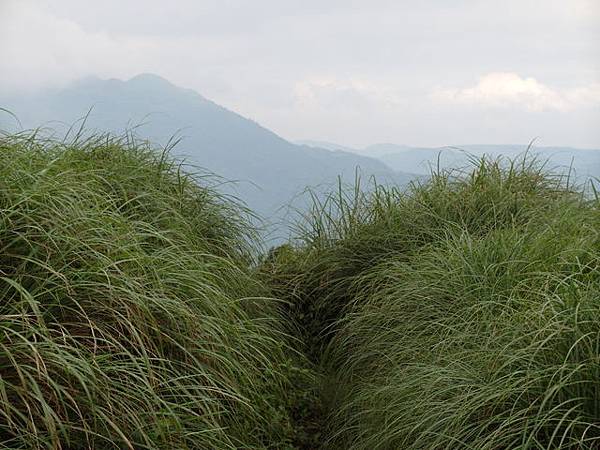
428	72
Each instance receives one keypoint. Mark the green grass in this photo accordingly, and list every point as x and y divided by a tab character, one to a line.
464	313
131	315
138	310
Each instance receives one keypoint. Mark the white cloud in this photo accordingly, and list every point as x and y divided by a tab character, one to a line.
40	49
52	50
331	92
508	89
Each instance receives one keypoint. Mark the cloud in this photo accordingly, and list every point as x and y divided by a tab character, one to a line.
348	70
508	89
330	92
50	50
356	95
53	50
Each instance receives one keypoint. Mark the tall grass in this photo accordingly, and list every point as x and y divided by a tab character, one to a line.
463	313
131	316
136	313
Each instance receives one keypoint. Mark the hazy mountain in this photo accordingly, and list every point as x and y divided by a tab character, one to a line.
420	160
585	162
423	160
327	145
270	169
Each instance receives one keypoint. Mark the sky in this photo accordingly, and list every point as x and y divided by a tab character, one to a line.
425	73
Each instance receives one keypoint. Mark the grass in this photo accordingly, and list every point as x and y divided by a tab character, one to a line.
138	310
463	313
131	315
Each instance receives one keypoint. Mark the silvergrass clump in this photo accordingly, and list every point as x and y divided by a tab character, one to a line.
462	313
131	316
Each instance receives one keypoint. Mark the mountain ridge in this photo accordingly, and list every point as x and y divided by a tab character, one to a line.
273	170
420	159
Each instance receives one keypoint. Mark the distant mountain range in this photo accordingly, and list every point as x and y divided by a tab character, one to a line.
584	163
271	170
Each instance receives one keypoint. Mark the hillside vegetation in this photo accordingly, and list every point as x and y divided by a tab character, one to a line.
138	311
462	313
130	314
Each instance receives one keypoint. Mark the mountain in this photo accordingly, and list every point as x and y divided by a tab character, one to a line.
420	160
423	160
271	170
327	145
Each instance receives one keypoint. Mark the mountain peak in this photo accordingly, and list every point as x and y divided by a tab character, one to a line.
150	80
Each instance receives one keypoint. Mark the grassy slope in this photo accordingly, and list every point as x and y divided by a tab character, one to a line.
130	315
463	314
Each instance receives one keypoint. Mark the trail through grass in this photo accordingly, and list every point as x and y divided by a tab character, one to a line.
138	310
